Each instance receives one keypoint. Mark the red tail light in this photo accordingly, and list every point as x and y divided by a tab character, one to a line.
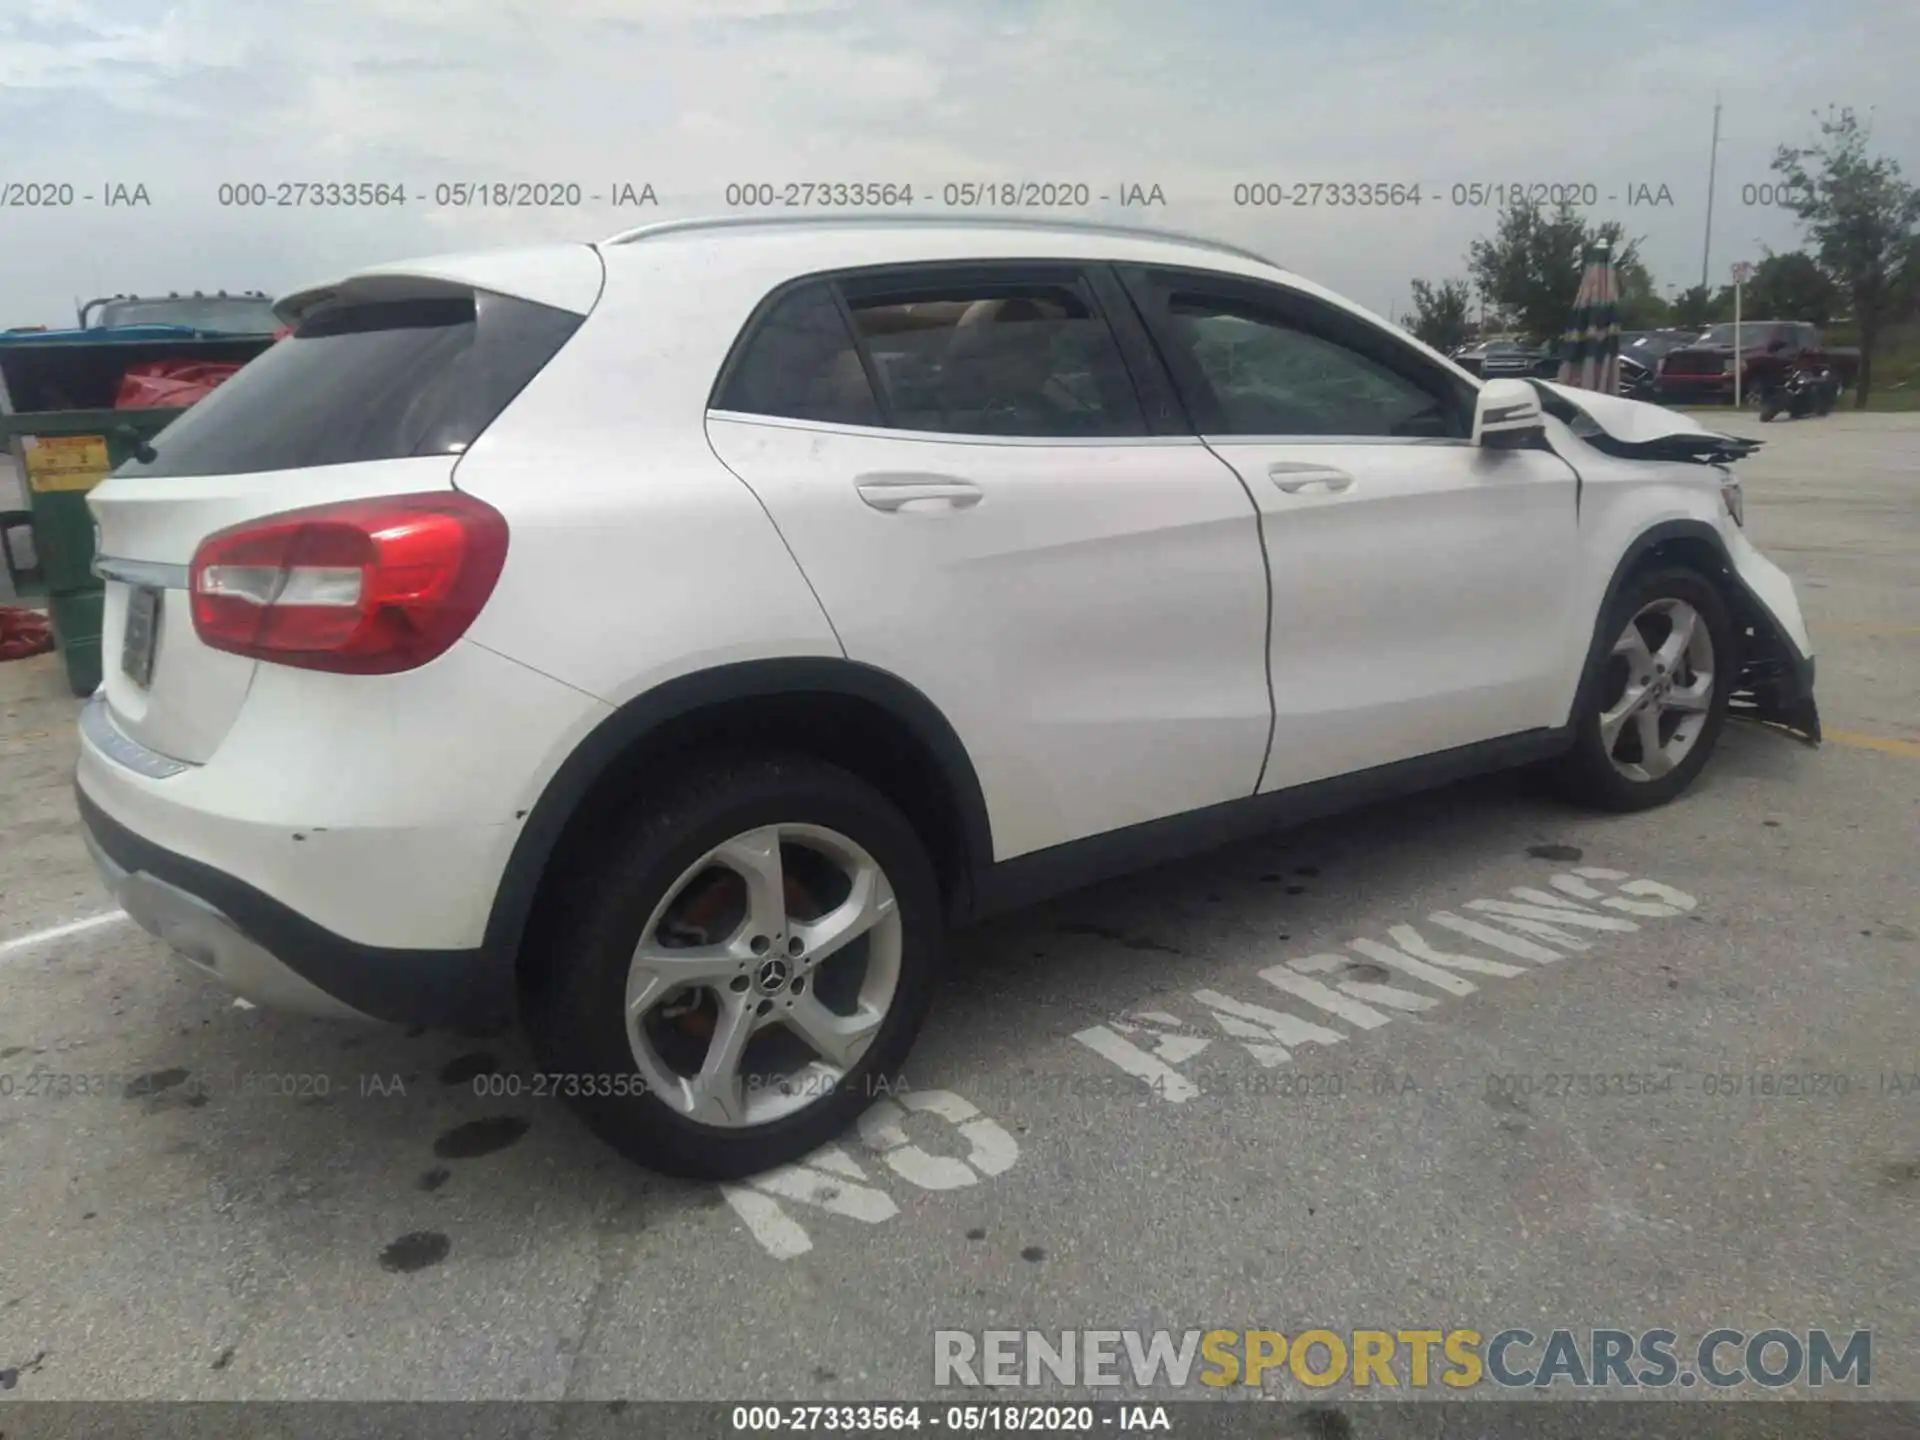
365	587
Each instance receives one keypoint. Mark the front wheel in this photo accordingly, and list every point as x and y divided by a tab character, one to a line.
726	986
1653	707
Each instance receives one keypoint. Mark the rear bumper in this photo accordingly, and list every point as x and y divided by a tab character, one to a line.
267	953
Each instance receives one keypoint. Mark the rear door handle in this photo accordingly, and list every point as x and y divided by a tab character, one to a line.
891	491
1295	478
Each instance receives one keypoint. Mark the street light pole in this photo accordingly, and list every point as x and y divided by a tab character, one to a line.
1713	162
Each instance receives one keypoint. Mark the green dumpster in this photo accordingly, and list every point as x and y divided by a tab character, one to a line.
59	423
61	455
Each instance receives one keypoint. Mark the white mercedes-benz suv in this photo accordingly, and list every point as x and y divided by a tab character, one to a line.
665	641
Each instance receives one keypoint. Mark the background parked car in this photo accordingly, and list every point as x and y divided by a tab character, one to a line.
1500	359
1703	371
1641	352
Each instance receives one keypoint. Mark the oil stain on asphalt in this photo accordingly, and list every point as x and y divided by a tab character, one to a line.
154	1082
480	1137
465	1069
415	1251
1556	852
10	1376
1132	942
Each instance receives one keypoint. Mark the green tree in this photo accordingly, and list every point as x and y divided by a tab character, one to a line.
1699	306
1440	313
1693	308
1531	268
1641	306
1863	221
1791	286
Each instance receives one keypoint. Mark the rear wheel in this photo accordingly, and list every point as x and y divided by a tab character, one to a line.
761	943
1655	705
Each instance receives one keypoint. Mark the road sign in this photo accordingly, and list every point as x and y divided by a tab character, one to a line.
1742	272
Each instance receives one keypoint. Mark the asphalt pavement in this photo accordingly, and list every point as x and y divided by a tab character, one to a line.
1563	1070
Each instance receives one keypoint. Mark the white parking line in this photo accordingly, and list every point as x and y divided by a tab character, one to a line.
9	948
1152	1046
1537	912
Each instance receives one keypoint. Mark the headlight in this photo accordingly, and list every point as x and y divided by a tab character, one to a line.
1735	500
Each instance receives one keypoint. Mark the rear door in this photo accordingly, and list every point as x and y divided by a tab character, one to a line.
1420	600
987	499
379	391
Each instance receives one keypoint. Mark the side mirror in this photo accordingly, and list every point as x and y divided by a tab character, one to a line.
1507	415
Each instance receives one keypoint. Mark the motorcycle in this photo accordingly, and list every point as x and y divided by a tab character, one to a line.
1806	390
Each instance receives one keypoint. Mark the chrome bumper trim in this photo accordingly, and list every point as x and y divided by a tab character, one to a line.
141	572
98	727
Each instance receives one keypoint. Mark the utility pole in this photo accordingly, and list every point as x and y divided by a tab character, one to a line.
1713	161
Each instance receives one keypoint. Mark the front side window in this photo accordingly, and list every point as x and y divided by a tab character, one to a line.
993	358
1265	374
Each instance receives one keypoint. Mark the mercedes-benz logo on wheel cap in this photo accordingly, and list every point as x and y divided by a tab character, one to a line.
773	974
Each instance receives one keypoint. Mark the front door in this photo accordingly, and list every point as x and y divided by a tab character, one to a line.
1420	596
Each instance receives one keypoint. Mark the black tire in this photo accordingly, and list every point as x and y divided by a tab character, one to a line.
1585	774
575	1016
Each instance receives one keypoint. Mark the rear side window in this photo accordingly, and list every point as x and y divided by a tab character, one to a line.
1003	359
801	364
368	380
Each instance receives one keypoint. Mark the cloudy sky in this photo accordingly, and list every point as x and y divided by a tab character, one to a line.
691	95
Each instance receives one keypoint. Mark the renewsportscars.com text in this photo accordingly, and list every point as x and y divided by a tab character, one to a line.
1415	1359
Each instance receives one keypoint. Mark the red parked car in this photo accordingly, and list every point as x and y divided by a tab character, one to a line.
1703	372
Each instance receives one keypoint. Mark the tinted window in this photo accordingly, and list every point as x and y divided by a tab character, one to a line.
1266	376
800	362
368	381
1752	333
997	359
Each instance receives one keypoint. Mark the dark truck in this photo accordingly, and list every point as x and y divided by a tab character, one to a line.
1770	350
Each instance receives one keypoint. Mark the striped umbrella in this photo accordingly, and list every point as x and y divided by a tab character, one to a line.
1590	348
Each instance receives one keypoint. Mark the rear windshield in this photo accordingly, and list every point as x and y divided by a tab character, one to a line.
367	380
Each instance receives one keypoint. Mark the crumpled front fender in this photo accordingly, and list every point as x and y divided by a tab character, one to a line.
1775	680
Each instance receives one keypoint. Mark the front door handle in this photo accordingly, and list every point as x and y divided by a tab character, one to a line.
892	491
1295	478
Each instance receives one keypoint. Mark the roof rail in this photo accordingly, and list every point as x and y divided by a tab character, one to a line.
1022	222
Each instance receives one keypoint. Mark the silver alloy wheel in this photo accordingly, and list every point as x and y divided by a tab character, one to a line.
1660	709
765	972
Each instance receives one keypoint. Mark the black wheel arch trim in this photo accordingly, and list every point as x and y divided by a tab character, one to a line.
595	756
1797	690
